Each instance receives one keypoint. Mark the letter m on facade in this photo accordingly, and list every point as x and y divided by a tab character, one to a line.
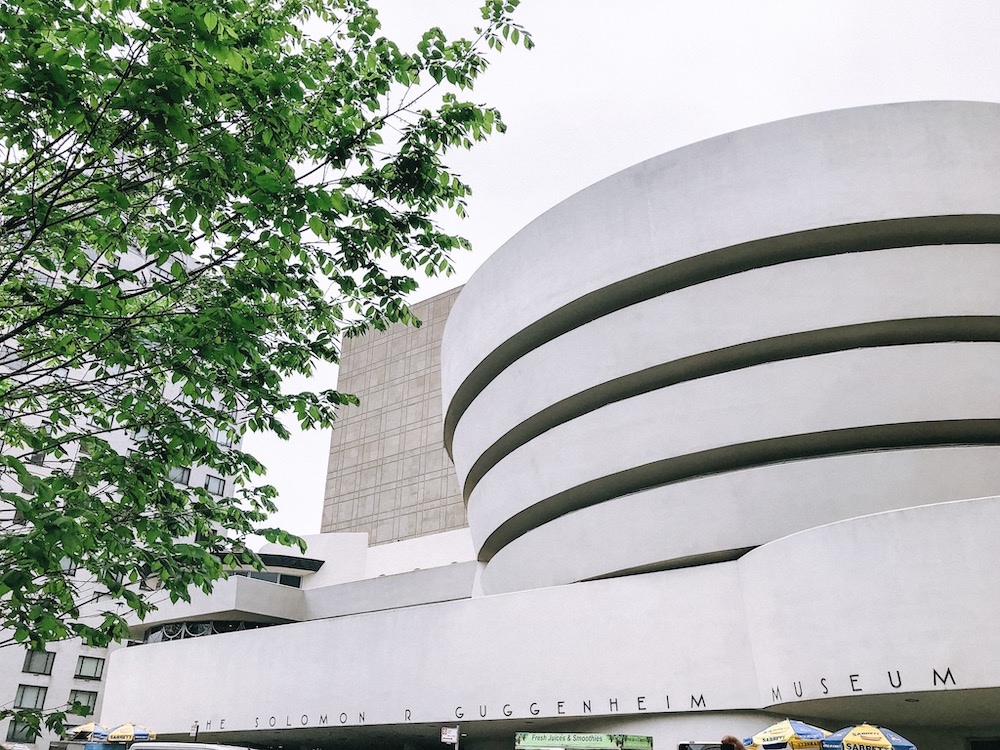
948	677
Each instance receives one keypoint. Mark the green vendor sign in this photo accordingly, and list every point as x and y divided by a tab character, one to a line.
572	741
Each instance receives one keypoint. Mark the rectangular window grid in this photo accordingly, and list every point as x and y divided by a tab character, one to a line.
180	474
283	579
19	731
38	662
222	438
215	485
30	696
86	698
89	668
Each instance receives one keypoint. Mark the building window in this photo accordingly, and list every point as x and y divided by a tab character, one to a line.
68	566
38	662
222	438
30	696
85	698
180	474
37	458
215	485
175	631
19	731
282	579
89	668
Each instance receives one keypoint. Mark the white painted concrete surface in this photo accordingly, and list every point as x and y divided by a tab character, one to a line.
796	520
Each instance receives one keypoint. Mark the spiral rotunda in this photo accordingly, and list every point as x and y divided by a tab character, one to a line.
761	333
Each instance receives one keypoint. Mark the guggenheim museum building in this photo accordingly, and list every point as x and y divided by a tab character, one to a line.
712	443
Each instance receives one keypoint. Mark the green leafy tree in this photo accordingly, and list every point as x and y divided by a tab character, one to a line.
198	198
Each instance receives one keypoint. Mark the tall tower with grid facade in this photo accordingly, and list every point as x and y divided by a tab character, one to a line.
389	473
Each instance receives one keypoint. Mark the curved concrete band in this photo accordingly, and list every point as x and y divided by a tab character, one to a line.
824	286
855	179
665	527
888	297
877	607
833	403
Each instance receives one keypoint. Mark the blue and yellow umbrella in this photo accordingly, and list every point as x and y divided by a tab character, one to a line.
789	733
126	733
867	737
85	731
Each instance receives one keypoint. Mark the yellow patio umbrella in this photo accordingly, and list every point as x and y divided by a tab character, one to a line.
130	732
866	736
86	730
789	733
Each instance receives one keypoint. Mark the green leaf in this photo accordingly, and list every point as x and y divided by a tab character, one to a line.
338	202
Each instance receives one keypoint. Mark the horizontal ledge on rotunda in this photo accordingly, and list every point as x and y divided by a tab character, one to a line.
929	330
883	437
961	229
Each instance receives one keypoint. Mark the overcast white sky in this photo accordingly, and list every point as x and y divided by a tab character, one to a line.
609	85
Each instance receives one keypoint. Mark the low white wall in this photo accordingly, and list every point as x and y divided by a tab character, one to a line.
684	651
890	598
236	598
619	648
424	552
344	555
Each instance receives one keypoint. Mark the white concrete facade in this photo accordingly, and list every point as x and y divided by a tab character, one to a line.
730	454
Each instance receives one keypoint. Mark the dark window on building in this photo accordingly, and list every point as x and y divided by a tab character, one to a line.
86	698
223	438
280	578
215	485
18	731
89	668
30	696
38	662
180	474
